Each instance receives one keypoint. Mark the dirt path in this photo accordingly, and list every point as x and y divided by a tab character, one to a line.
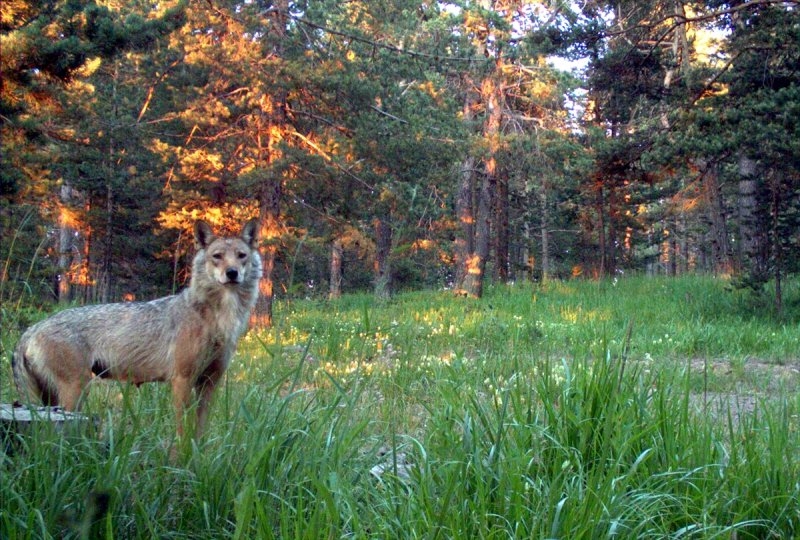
740	387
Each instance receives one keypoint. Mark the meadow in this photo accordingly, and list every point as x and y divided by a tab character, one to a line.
637	408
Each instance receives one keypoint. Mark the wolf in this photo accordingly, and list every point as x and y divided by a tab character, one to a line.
186	339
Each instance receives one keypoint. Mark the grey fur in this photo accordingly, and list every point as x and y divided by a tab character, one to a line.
187	339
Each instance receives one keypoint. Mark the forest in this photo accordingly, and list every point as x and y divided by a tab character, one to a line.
530	267
396	145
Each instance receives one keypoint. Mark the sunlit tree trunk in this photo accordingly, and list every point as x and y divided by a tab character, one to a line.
269	215
271	130
476	262
67	238
82	274
464	243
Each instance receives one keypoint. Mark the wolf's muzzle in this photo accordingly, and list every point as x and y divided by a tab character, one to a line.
232	274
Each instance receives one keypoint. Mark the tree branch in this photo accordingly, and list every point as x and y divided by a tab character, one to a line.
393	117
377	44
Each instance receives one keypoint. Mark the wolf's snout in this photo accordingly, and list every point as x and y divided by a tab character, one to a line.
232	274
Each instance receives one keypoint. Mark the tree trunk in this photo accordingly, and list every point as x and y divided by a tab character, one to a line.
545	231
501	217
272	120
383	248
269	217
777	247
527	260
476	263
673	247
82	274
751	231
337	254
104	277
66	244
601	227
465	211
611	258
722	263
464	243
683	242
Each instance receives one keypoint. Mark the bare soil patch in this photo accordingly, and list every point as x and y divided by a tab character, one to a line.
746	385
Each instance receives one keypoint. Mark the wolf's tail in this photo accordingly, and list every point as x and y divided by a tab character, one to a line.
30	386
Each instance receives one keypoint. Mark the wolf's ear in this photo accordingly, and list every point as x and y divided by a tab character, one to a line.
250	233
203	235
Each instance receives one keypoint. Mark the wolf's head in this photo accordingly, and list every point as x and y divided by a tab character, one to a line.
229	261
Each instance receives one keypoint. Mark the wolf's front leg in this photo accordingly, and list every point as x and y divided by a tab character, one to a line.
181	396
205	392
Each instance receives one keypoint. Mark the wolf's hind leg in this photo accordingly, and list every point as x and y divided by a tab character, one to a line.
70	393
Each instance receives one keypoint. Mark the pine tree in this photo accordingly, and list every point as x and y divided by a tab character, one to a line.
49	52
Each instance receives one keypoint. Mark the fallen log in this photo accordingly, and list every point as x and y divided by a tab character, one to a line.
17	420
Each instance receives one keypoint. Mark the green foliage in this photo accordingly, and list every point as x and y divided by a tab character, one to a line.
26	271
364	110
58	42
435	415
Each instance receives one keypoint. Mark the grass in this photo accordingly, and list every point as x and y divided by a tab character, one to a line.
572	410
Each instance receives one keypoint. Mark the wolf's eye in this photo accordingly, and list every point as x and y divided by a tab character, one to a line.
242	255
217	256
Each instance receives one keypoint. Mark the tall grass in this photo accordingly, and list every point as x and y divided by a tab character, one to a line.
538	412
